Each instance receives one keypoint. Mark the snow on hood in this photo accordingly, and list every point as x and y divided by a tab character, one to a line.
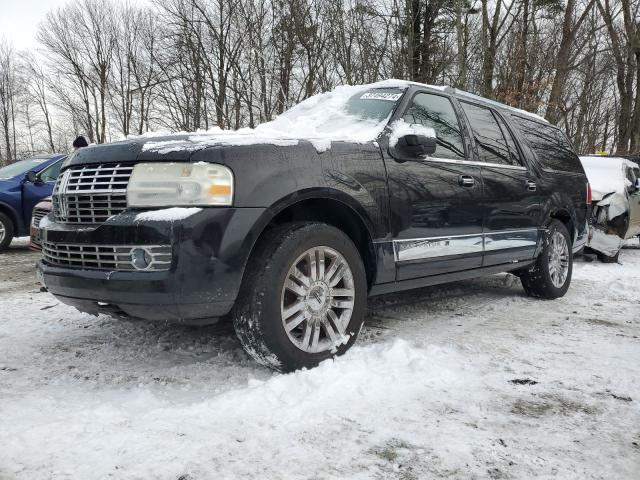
355	114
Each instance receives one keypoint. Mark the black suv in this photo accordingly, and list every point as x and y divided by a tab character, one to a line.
289	227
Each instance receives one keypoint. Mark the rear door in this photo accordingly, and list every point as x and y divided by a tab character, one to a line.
436	218
511	202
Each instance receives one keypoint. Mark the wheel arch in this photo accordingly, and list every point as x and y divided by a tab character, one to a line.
564	215
329	206
13	216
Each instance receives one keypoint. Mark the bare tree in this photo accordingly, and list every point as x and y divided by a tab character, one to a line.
8	94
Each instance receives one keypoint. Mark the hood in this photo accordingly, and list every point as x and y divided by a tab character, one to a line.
129	150
181	147
176	148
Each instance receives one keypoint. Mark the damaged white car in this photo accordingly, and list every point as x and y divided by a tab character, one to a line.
615	216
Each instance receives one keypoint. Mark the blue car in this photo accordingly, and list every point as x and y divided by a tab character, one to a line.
22	185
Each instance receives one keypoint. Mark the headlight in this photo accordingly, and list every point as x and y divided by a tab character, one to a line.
179	185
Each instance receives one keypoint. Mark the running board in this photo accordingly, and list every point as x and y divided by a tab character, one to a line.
391	287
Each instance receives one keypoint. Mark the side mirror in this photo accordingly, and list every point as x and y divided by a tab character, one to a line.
413	146
33	177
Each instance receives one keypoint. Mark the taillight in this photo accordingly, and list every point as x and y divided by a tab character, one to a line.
588	194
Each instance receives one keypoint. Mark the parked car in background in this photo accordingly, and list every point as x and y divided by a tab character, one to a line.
615	215
41	210
290	226
22	185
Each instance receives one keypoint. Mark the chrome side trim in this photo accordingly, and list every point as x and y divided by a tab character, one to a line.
417	249
433	247
511	239
475	164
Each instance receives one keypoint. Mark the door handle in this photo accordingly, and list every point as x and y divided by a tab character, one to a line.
531	186
466	181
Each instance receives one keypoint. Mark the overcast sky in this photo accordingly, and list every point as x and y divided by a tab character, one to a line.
19	19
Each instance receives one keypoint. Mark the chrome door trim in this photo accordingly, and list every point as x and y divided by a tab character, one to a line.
502	240
441	246
475	164
421	248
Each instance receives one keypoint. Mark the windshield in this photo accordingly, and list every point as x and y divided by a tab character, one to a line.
357	114
20	167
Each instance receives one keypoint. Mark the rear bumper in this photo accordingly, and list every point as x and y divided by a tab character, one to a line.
209	252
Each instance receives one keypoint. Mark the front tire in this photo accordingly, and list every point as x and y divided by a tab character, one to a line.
6	232
550	276
303	297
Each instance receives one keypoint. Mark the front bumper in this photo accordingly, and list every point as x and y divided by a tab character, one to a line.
209	252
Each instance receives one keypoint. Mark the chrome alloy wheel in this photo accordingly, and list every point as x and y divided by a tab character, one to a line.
558	259
317	300
3	232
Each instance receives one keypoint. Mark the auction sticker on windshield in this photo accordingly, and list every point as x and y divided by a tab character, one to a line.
391	97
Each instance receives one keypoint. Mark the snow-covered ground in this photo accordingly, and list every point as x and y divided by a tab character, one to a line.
469	380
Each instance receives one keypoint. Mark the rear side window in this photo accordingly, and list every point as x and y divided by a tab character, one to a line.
437	112
489	138
551	146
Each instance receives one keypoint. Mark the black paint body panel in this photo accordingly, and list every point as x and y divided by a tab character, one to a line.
395	202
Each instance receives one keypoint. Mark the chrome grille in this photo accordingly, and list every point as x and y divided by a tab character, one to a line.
38	214
104	257
91	193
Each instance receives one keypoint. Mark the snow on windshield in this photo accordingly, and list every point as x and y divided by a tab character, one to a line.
355	114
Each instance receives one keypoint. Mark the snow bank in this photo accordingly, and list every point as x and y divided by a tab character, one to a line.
433	389
374	393
168	214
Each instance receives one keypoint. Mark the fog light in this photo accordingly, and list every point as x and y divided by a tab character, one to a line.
140	258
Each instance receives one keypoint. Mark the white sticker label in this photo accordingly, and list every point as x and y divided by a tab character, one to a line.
390	97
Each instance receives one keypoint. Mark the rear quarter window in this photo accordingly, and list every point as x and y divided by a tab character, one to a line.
550	144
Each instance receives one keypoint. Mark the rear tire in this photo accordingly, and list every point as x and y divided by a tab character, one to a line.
6	232
607	259
292	312
550	276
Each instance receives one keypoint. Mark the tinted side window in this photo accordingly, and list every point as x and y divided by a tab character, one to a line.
514	153
437	112
550	145
492	146
50	173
